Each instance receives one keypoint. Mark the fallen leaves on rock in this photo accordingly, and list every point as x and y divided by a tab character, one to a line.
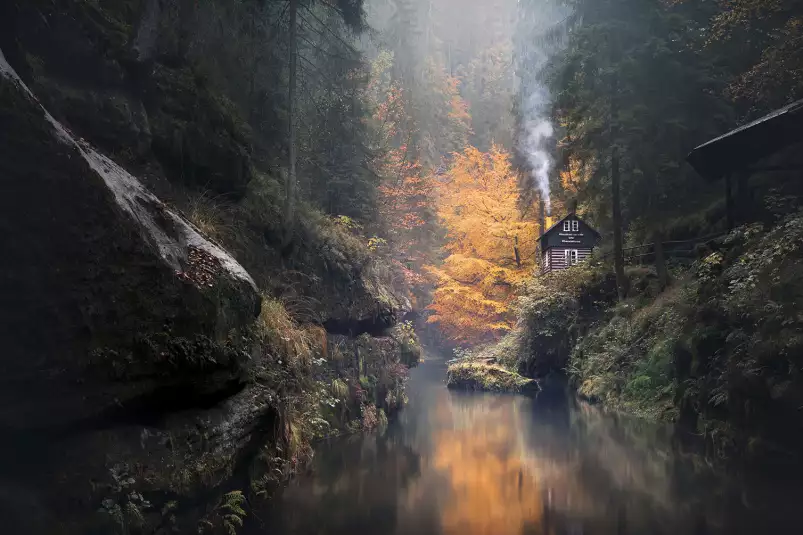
202	268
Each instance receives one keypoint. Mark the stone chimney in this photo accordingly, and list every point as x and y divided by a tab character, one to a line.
572	205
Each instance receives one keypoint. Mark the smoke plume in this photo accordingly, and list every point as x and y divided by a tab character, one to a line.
543	30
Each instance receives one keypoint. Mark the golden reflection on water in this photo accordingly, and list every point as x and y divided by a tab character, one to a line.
493	492
502	465
477	453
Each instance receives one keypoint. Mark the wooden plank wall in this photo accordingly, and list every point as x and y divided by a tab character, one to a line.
557	258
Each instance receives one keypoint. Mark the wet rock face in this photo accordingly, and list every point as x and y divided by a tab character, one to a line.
81	60
127	367
117	313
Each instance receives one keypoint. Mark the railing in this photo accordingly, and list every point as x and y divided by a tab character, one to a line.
678	249
646	252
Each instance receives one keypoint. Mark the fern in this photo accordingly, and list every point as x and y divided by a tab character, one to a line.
231	511
227	516
133	516
232	502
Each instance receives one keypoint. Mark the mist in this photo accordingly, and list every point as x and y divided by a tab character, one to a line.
542	31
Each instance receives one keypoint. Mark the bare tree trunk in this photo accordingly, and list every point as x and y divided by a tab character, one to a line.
618	258
290	181
516	252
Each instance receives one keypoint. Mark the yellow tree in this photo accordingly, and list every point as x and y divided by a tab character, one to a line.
491	246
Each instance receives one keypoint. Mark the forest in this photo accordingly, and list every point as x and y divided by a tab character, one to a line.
231	227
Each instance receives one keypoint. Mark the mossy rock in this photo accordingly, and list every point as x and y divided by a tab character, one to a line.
489	377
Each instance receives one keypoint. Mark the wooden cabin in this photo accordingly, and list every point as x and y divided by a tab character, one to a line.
567	242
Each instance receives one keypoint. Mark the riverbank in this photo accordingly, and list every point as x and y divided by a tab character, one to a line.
468	463
172	344
712	351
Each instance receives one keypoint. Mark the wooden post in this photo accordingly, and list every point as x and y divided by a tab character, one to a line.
728	202
660	259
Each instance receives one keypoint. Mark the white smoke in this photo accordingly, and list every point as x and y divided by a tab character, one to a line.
544	33
535	141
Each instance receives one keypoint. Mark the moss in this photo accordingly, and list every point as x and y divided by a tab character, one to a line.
715	350
491	377
156	337
409	345
555	311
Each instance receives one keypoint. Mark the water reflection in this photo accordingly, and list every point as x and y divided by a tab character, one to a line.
473	464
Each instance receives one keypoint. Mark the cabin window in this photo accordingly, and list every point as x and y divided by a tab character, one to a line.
575	226
567	226
571	256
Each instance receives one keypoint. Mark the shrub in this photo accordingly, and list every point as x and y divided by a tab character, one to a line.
554	311
278	331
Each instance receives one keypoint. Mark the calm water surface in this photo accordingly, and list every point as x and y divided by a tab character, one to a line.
480	464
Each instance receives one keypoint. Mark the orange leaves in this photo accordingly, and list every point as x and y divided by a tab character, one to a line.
574	176
477	201
406	194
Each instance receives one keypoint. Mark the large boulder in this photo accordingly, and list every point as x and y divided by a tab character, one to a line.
118	317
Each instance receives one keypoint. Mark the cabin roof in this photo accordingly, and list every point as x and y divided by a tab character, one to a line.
740	148
569	216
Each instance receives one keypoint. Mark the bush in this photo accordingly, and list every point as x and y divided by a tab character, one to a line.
554	311
720	349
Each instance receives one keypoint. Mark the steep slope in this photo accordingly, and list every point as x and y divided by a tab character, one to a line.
718	351
148	377
117	314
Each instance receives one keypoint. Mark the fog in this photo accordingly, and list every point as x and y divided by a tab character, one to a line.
546	22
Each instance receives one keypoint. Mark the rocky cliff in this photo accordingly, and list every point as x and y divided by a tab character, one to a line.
148	385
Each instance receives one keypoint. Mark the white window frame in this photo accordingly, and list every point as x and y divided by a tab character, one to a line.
572	256
567	226
575	225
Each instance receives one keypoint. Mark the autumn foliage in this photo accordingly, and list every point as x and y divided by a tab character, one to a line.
491	246
450	212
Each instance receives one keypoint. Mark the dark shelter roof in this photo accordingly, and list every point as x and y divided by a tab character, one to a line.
740	148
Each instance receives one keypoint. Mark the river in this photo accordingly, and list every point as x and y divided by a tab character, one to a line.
457	463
